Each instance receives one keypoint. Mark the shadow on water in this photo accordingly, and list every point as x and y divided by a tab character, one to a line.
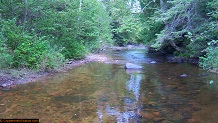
99	92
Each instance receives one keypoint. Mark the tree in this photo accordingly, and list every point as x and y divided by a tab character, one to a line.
209	34
125	24
148	17
65	27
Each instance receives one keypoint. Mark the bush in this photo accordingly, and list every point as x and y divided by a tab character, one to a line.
37	55
28	54
210	60
14	34
51	59
74	50
5	57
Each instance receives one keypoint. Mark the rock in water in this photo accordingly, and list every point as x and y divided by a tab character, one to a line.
132	66
183	75
4	85
153	62
133	71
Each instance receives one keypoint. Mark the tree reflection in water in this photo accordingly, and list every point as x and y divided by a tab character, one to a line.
130	111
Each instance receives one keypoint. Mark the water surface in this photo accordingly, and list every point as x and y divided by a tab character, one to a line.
161	92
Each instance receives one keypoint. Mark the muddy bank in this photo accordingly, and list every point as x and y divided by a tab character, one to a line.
11	78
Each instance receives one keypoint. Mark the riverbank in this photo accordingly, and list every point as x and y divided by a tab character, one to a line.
10	78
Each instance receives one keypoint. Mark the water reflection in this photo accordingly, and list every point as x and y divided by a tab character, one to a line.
134	84
108	93
127	111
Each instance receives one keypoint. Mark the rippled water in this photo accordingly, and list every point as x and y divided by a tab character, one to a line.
105	92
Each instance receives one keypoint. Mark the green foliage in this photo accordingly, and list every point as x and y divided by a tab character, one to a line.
41	34
126	25
189	28
212	6
51	59
128	31
151	27
210	60
178	20
12	33
37	54
86	26
94	25
74	50
150	31
28	54
19	48
5	56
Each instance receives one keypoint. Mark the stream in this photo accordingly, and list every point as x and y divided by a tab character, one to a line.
160	92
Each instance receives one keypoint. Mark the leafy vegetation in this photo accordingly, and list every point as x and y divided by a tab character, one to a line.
125	24
43	34
210	61
40	34
185	28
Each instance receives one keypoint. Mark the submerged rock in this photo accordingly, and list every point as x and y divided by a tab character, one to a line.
4	85
183	75
133	71
153	62
132	66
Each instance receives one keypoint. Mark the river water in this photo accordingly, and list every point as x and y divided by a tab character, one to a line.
161	92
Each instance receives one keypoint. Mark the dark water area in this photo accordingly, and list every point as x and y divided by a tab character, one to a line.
161	92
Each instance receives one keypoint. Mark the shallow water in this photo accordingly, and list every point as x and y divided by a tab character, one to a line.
105	92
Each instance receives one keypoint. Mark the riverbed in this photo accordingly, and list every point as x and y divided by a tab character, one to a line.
160	92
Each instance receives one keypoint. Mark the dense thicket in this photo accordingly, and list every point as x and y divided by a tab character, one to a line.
184	28
125	23
42	34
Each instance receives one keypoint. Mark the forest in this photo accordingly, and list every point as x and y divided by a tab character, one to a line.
44	34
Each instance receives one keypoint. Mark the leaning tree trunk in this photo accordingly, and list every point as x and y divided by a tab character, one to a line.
173	44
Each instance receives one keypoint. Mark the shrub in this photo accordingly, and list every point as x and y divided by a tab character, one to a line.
37	55
18	48
210	60
74	50
51	59
28	54
5	57
14	34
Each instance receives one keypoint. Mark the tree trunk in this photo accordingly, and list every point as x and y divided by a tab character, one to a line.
25	14
12	8
80	8
80	5
173	44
